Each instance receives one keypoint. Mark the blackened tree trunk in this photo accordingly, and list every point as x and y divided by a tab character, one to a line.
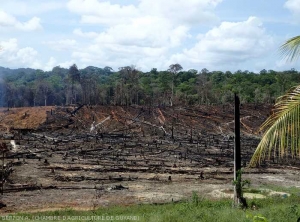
237	152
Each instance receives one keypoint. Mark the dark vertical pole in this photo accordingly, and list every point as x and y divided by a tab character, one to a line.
237	138
191	137
19	136
237	152
3	148
3	170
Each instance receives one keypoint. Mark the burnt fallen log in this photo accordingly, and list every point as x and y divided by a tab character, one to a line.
29	154
32	187
22	187
121	178
118	187
77	109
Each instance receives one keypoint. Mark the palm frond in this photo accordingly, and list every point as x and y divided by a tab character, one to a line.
291	48
281	136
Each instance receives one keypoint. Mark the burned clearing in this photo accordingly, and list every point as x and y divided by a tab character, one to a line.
89	156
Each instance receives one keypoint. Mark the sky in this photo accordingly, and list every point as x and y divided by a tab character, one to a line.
213	34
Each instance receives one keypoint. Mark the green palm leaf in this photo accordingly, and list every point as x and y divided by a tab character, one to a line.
281	135
282	127
291	48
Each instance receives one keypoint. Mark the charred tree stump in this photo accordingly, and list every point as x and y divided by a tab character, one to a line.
191	136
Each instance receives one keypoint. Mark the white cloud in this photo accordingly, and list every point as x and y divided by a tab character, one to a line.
62	45
293	6
133	43
67	64
27	55
50	64
117	56
32	25
94	11
133	34
9	47
179	11
227	45
11	55
144	32
80	33
31	7
7	20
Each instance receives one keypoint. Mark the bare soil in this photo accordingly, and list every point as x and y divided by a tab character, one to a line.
65	157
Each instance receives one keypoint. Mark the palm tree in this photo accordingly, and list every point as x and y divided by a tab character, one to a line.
282	128
291	48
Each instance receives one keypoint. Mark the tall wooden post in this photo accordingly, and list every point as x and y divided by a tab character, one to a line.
3	172
237	150
4	149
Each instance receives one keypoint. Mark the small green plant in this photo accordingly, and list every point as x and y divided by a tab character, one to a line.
195	199
239	185
239	182
256	218
293	209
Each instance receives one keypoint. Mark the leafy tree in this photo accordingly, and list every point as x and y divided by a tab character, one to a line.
107	70
204	71
204	88
281	135
44	91
74	76
174	69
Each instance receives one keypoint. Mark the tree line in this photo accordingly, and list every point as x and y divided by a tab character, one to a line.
128	86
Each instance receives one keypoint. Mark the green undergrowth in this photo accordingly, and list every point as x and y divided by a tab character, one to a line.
271	209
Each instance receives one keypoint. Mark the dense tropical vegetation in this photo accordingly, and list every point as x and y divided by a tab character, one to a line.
128	85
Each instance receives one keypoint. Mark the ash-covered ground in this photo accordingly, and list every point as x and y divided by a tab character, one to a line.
89	156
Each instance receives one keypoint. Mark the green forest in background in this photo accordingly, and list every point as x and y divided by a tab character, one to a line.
128	86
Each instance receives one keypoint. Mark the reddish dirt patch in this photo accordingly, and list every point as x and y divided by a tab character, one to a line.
27	117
